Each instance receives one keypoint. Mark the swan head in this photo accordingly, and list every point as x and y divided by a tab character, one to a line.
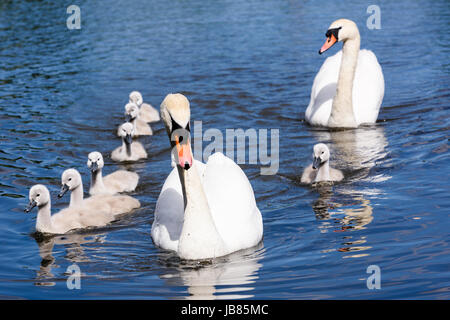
126	132
321	154
70	180
39	196
339	30
131	111
95	161
176	114
136	98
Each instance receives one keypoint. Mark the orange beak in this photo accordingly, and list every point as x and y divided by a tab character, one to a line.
328	44
184	153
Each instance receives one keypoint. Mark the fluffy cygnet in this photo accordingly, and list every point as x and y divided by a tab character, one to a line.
96	206
141	128
118	181
61	222
129	150
320	169
147	112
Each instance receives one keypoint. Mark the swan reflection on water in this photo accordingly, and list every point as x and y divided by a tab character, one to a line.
74	253
353	213
228	277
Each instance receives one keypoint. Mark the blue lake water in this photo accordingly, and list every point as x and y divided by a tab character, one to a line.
242	64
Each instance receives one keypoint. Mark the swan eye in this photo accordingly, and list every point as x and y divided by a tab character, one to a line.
323	152
70	179
334	32
180	139
38	195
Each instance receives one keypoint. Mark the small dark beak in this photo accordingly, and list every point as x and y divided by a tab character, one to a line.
30	206
316	162
94	166
64	189
128	139
186	166
128	118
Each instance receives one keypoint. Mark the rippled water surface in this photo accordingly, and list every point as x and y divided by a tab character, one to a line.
242	64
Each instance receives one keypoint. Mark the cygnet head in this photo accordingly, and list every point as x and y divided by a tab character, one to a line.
39	196
126	131
321	154
131	111
136	98
176	114
70	180
340	30
95	161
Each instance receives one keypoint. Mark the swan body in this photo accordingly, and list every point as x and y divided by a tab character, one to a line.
129	150
118	181
140	127
320	169
348	89
203	210
147	112
99	209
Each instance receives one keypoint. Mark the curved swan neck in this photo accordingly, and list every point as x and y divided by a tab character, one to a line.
323	174
76	196
43	220
342	109
199	236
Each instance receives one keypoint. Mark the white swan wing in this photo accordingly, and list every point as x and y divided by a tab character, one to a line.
232	203
368	88
230	198
323	91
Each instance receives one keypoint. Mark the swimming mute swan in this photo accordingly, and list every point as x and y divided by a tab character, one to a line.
349	87
146	112
203	210
101	208
61	222
118	181
320	169
141	128
129	150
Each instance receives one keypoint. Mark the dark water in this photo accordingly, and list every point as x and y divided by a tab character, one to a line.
242	64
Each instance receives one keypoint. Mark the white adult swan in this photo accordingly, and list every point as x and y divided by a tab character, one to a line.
357	97
203	211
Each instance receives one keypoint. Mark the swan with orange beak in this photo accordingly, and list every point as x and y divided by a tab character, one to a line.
204	210
348	89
